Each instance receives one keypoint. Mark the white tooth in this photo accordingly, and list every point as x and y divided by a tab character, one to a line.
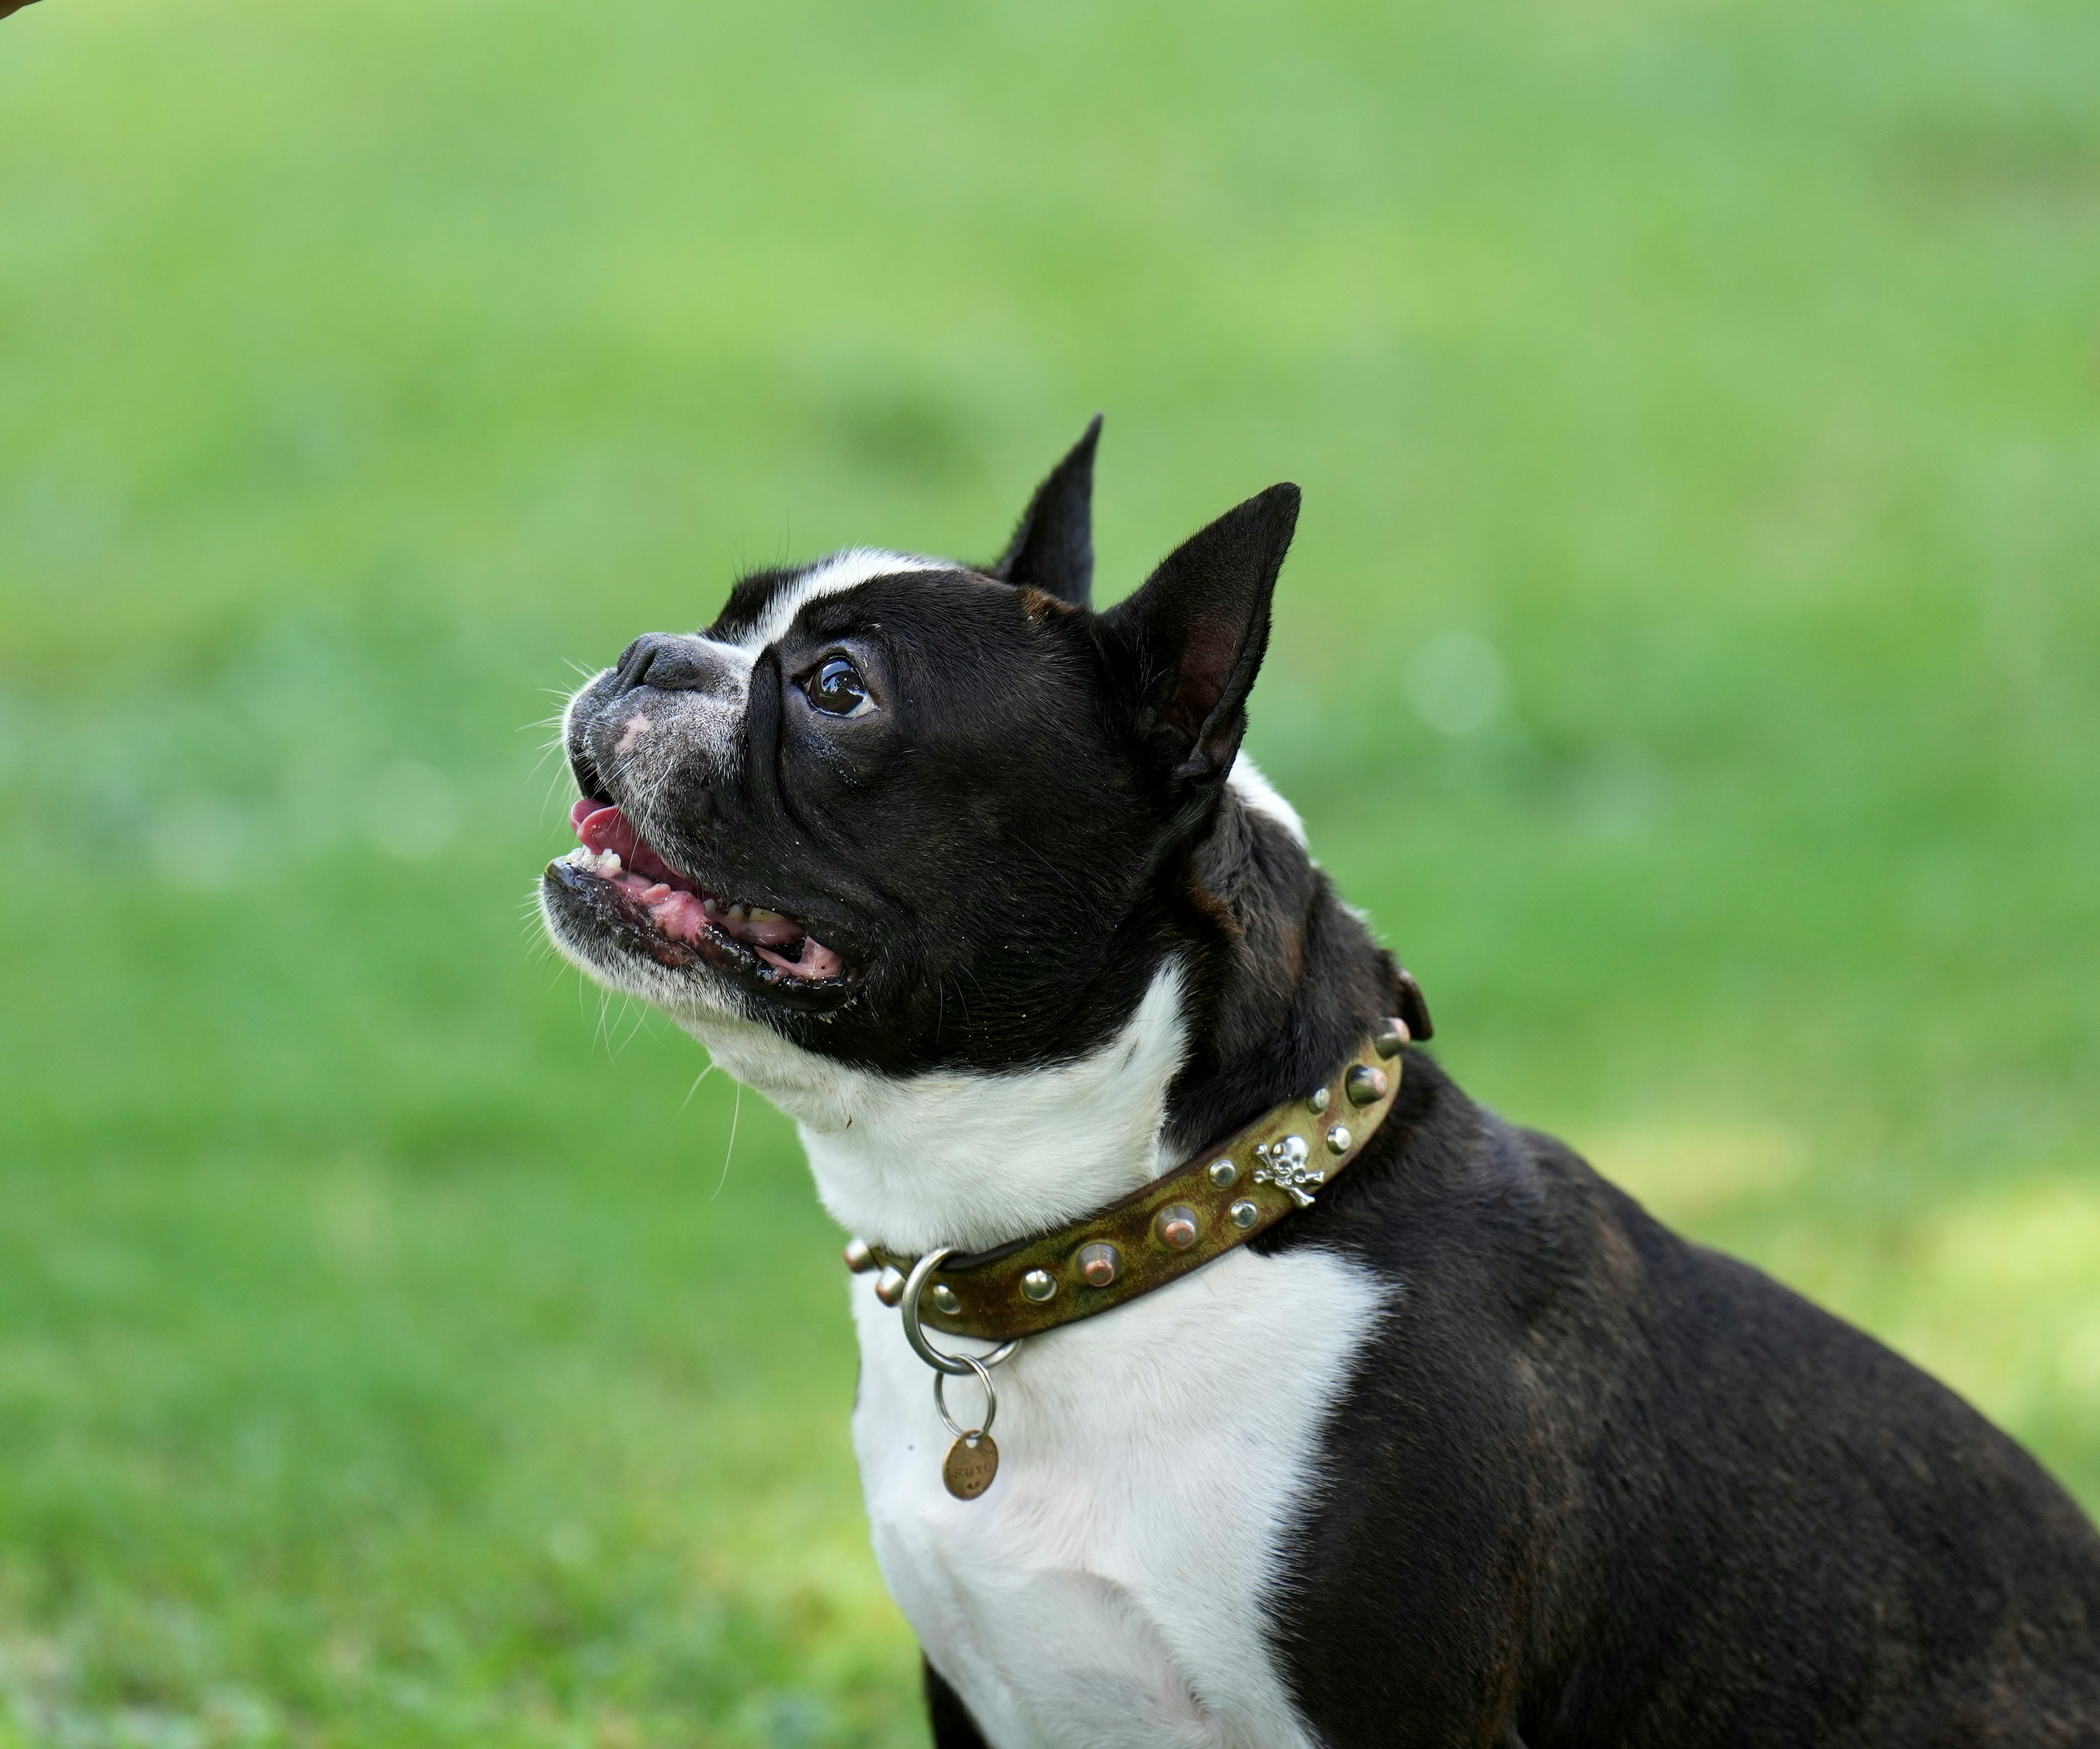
758	915
608	862
739	913
580	857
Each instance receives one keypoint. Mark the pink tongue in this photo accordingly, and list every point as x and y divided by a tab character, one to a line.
678	913
605	827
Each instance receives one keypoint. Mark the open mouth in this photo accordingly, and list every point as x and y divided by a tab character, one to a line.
669	905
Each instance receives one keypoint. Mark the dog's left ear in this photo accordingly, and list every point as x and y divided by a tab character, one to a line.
1053	550
1191	641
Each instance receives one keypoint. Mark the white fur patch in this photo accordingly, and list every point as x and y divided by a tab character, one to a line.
833	576
965	1160
1256	793
1109	1590
1112	1588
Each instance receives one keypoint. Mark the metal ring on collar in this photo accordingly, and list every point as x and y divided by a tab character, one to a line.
972	1434
940	1359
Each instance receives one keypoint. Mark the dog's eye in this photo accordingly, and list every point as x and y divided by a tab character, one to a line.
837	689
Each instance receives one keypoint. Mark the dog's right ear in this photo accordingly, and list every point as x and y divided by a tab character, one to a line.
1189	643
1053	550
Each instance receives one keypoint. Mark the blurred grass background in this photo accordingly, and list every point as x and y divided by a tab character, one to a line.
1696	405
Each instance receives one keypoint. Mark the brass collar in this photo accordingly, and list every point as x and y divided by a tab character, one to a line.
1160	1232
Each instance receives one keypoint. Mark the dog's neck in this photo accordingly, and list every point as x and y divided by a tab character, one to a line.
1276	984
1287	985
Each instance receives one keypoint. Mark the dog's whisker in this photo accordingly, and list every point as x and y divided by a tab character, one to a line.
729	1153
704	1073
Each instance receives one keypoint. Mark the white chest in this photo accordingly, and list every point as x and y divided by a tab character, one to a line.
1109	1589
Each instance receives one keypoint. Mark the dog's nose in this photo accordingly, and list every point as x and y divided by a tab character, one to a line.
671	664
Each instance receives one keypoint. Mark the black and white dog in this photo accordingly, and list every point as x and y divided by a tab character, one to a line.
976	884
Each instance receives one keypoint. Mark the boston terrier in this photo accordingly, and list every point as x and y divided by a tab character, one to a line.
1455	1447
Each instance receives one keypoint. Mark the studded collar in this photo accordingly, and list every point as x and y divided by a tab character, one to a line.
1162	1231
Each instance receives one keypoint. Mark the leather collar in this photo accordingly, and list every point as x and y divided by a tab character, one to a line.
1223	1197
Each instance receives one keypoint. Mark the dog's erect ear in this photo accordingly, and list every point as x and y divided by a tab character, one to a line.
1191	641
1053	550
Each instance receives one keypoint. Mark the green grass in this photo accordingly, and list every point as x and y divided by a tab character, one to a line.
385	1355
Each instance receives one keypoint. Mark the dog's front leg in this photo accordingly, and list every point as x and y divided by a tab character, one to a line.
953	1726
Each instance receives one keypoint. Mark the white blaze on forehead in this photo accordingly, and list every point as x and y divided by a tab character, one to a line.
831	577
714	720
723	710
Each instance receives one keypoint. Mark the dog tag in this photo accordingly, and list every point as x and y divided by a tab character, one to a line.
971	1463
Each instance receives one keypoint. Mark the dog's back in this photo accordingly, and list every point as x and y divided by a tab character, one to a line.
1631	1491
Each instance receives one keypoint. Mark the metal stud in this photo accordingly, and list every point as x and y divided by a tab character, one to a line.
1176	1226
1222	1173
1100	1265
860	1256
1392	1035
889	1286
945	1301
1244	1213
1366	1084
1038	1285
1317	1103
1338	1139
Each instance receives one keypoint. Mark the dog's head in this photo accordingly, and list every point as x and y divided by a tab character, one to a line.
909	814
